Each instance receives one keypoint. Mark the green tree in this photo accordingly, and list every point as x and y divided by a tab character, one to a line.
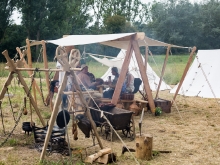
6	9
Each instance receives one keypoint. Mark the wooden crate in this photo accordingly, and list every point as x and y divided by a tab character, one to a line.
165	105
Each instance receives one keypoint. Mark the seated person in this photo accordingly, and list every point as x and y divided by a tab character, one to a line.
109	93
85	80
129	83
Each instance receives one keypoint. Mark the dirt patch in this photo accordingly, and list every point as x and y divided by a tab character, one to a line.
191	132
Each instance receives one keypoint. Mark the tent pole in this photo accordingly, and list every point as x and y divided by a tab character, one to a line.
163	70
122	75
143	75
30	66
46	65
184	74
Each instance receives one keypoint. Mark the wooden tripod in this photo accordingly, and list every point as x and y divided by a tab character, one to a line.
66	68
13	68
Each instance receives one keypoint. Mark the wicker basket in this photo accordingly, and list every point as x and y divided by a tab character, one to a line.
127	96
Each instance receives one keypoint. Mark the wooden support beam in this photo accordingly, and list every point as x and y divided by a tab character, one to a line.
30	66
184	73
163	70
5	86
63	61
54	115
25	87
144	75
122	75
46	65
26	66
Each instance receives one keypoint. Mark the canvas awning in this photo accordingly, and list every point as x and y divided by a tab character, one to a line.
120	41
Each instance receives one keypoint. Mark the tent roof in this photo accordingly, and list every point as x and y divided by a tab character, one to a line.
120	41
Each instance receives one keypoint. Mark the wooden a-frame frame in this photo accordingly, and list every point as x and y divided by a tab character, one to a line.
133	46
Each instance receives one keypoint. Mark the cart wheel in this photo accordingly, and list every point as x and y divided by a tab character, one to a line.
129	132
106	131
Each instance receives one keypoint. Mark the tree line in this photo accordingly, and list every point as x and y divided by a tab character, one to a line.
177	22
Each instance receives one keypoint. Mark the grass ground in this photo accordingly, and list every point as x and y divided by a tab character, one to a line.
191	132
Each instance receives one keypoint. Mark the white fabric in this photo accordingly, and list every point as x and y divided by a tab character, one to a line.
107	39
134	70
196	82
87	39
146	42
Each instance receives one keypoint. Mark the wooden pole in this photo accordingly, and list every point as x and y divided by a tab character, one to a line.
54	115
163	70
184	74
122	75
46	65
64	61
40	69
7	83
26	66
144	75
30	66
12	68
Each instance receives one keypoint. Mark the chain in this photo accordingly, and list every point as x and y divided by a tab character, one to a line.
9	135
41	86
19	117
2	117
10	104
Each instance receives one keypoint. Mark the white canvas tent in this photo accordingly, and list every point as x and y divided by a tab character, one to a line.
203	78
133	68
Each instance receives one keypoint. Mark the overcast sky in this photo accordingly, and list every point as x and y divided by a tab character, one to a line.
17	17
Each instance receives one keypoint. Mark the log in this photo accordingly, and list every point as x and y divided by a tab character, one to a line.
93	157
144	147
107	158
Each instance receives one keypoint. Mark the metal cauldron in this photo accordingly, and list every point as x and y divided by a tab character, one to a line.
26	127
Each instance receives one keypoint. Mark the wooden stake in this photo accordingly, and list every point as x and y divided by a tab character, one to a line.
184	73
163	70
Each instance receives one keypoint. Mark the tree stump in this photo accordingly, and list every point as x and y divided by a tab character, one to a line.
144	145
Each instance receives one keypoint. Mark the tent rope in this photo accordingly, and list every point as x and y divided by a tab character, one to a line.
177	108
99	55
206	78
103	116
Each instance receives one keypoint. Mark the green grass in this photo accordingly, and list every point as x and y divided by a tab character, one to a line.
174	68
